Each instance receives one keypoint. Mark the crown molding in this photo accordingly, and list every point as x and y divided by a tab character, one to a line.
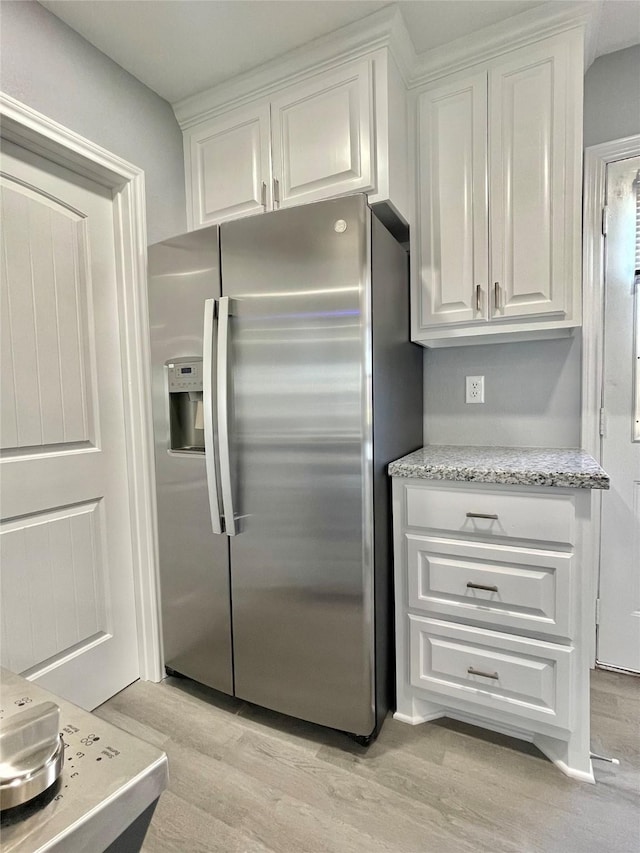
386	29
483	45
383	29
591	39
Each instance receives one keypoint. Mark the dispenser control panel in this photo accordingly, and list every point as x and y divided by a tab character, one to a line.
185	375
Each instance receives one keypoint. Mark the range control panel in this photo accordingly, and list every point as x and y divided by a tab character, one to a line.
185	375
99	761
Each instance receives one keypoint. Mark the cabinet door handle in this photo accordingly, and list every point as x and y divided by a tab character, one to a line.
276	192
478	298
473	671
472	585
264	195
496	295
482	515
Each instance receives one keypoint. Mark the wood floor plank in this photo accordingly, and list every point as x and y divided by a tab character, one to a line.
364	803
262	811
247	780
178	825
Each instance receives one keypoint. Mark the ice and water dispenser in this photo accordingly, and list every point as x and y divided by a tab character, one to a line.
186	415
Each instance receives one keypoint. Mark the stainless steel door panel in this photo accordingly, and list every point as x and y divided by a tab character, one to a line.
194	562
301	562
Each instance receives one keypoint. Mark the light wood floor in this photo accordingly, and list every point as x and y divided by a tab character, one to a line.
246	780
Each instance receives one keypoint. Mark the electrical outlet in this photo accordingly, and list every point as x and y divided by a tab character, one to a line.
474	389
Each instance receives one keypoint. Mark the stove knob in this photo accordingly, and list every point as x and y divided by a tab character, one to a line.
31	753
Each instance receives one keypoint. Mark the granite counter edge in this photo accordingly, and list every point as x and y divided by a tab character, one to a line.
558	479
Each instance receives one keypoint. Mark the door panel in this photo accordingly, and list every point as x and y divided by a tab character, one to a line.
322	136
194	561
59	555
454	237
45	318
228	164
619	629
68	606
528	184
301	563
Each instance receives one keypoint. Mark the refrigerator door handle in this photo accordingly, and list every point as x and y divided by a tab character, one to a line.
222	381
207	405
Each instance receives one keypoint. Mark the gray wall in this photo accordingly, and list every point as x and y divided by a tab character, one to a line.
612	97
532	394
532	390
49	67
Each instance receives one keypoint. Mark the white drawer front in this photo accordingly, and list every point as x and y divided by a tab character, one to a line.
523	677
497	585
539	517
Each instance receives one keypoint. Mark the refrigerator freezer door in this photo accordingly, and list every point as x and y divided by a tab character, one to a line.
194	561
302	582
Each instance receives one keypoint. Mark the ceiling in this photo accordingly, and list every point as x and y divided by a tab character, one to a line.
180	47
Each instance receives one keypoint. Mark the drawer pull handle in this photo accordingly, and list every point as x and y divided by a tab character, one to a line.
472	585
473	671
482	515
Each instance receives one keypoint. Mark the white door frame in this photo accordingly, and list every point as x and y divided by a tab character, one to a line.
35	132
596	159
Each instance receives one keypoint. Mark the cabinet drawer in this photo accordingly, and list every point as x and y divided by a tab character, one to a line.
519	676
538	517
497	585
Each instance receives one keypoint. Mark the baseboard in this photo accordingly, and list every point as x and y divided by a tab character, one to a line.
421	718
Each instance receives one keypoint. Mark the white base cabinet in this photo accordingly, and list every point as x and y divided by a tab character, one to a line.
492	611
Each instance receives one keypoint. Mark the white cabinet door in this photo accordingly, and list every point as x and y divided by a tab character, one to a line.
502	587
322	136
492	671
227	166
529	181
453	219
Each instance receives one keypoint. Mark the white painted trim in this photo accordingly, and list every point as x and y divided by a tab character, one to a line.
514	32
387	29
596	159
35	132
419	718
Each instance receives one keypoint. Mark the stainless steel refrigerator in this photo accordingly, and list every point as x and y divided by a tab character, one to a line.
283	384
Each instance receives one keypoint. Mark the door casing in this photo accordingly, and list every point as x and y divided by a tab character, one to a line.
35	132
596	159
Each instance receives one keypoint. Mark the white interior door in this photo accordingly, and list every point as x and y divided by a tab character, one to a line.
68	609
619	628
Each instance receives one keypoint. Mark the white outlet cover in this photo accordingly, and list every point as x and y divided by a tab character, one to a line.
474	389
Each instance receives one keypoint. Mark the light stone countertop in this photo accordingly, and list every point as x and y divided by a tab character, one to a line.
520	466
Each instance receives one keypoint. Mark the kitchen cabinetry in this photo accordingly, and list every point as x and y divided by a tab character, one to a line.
316	139
228	168
492	598
498	154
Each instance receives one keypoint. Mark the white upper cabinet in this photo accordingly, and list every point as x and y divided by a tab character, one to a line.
498	155
531	237
454	261
228	166
314	139
322	139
